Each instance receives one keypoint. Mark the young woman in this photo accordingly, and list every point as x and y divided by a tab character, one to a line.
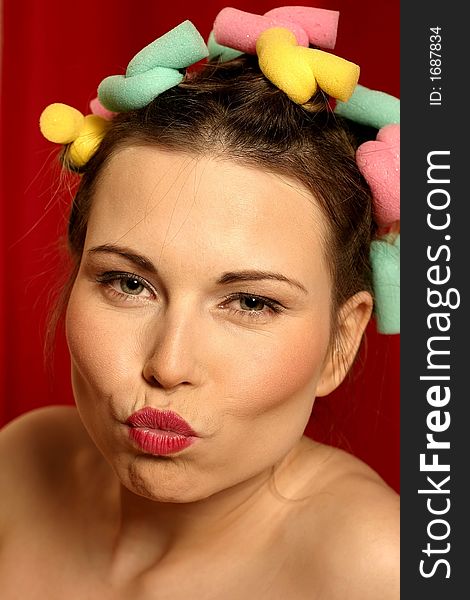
220	239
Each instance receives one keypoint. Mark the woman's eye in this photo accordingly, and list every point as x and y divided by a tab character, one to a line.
250	306
130	286
252	303
126	286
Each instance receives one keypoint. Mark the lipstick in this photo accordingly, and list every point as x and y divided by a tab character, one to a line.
160	432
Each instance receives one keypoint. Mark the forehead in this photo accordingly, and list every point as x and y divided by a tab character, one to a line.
163	202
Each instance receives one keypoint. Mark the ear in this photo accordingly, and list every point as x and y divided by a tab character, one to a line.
352	320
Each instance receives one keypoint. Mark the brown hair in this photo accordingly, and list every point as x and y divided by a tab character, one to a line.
232	110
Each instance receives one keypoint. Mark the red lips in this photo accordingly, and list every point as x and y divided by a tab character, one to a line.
165	420
160	432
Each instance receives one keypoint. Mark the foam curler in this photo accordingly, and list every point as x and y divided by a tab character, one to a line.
86	144
370	107
385	260
298	71
98	109
379	162
153	70
240	30
60	123
321	25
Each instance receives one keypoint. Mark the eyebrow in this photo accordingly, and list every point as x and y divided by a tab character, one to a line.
256	275
228	277
137	259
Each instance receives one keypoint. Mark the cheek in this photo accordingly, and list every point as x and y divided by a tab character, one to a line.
100	359
280	374
101	368
81	333
269	397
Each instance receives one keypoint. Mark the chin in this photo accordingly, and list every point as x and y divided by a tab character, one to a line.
157	478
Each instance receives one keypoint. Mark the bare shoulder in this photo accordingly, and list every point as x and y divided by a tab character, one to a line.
42	414
40	429
35	450
353	530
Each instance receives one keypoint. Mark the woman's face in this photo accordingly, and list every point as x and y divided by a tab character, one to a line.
203	290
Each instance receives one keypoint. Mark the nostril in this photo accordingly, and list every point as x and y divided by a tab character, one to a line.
163	382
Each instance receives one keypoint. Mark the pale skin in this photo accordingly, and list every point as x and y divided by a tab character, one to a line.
253	509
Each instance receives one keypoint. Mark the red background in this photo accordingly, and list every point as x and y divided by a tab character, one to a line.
56	51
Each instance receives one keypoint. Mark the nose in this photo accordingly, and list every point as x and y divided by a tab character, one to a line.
173	355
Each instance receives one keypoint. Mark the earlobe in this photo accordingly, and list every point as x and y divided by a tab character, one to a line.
352	321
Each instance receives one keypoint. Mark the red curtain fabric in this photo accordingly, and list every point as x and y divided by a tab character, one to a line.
56	51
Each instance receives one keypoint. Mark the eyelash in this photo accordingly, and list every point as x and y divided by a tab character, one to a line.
110	277
273	306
